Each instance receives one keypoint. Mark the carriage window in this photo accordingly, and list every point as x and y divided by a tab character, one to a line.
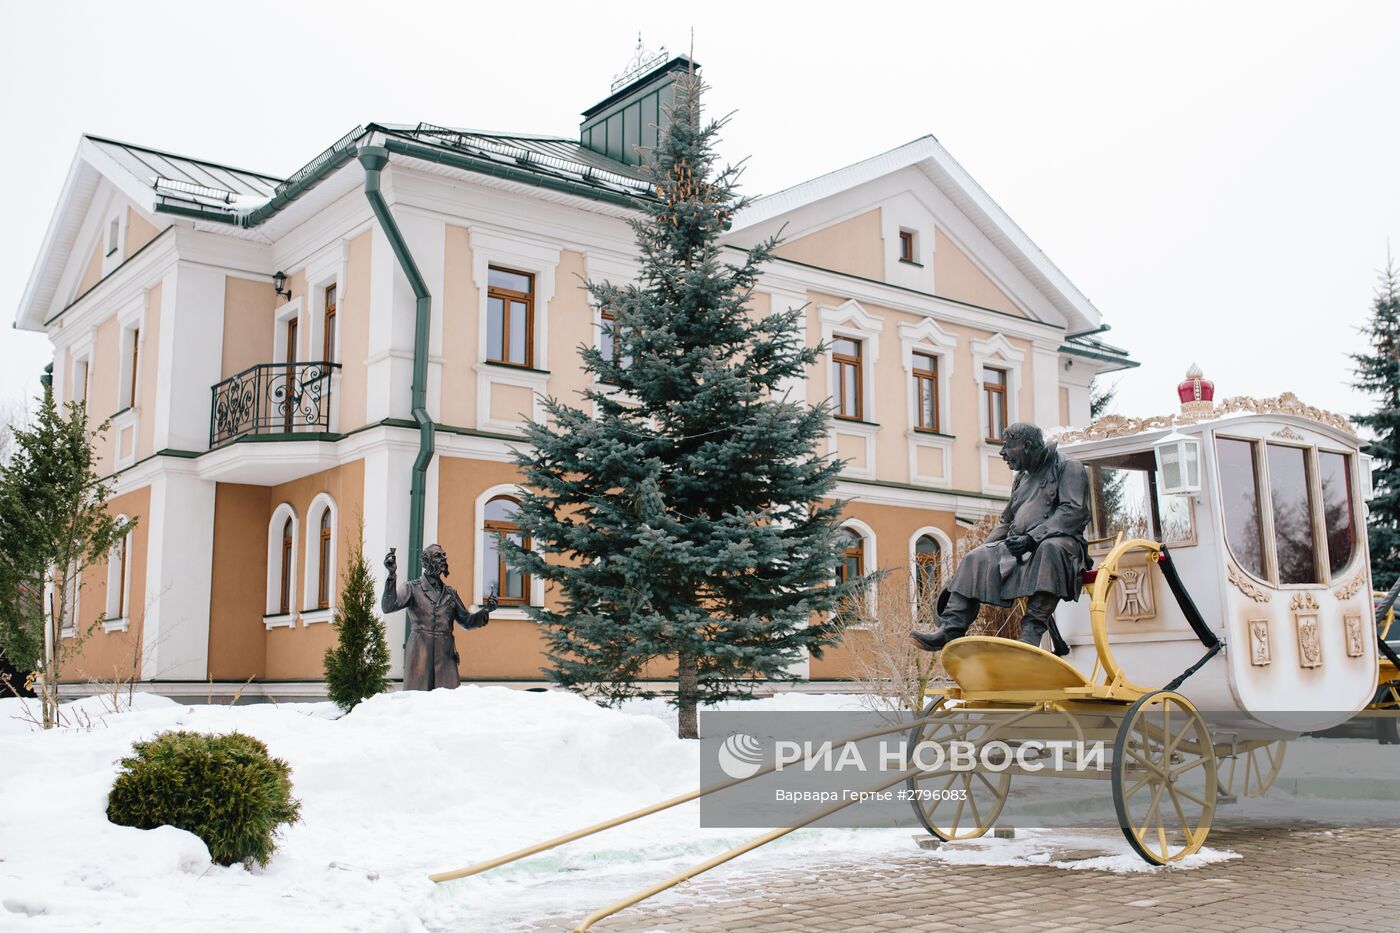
1336	508
1239	501
1123	496
1290	494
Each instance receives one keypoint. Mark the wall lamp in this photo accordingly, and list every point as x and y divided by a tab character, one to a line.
278	280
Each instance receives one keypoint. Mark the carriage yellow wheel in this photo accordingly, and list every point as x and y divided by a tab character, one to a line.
955	804
1164	777
1253	766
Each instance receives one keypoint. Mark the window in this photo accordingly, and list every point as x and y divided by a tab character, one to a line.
926	392
852	553
994	388
113	235
80	381
607	340
1290	494
288	400
328	329
928	566
118	583
1126	498
906	246
130	367
846	378
323	564
284	600
510	586
1239	500
1337	517
510	317
135	363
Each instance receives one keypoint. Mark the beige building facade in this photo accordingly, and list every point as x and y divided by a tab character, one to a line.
287	362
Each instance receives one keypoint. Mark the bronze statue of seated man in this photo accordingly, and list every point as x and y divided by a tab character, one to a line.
1038	550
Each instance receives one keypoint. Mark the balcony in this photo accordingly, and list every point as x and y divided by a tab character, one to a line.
272	399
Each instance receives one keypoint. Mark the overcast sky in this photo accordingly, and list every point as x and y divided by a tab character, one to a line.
1221	179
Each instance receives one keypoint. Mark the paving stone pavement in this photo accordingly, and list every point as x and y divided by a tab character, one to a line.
1308	879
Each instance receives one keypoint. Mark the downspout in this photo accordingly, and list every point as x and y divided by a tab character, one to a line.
374	158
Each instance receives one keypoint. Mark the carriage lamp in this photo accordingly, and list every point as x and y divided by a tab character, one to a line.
1179	464
1368	487
278	280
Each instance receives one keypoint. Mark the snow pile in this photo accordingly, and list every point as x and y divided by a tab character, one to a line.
406	785
1067	849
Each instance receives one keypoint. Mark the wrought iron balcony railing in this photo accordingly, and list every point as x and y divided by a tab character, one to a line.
272	398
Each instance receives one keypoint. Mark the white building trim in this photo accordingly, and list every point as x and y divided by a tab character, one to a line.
314	613
274	617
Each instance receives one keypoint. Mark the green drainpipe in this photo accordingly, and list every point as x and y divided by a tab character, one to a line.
374	158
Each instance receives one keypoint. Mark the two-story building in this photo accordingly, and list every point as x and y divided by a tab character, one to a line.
352	351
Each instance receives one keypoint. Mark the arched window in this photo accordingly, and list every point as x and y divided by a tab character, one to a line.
284	600
321	534
852	556
928	565
511	586
323	575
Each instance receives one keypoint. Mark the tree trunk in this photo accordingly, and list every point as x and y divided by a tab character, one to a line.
687	721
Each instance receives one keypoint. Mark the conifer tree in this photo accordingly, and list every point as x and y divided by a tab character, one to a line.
54	521
689	521
1378	374
358	666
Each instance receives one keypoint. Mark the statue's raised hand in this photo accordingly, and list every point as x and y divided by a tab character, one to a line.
391	563
491	603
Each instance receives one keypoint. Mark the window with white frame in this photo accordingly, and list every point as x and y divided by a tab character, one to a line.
510	585
130	367
114	233
118	607
281	561
847	379
321	527
78	387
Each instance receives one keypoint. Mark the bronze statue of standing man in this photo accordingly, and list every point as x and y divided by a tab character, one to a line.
430	657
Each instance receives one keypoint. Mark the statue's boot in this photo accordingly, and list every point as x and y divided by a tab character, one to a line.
953	622
1039	618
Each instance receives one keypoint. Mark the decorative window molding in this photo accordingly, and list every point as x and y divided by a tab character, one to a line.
325	270
998	353
491	248
112	235
116	616
850	320
278	564
945	552
869	557
508	490
316	611
281	320
927	338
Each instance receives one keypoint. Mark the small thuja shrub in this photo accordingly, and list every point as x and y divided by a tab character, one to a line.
226	789
357	667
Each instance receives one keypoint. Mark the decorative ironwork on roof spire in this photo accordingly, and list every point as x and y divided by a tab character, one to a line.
642	61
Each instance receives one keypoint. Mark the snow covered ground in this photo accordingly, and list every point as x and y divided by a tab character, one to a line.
406	785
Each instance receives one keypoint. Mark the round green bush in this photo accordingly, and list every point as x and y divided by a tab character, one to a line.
226	789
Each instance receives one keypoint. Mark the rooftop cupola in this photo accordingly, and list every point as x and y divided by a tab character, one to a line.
631	114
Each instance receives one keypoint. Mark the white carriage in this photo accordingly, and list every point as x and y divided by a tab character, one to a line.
1231	576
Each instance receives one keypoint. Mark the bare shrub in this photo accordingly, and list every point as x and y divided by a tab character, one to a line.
892	671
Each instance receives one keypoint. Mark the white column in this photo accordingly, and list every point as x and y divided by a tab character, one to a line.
179	568
427	241
389	362
190	355
387	475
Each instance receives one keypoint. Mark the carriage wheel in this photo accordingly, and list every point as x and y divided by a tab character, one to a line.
951	804
1164	778
1262	764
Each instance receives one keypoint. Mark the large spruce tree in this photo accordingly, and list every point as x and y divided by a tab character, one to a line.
1378	373
688	520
